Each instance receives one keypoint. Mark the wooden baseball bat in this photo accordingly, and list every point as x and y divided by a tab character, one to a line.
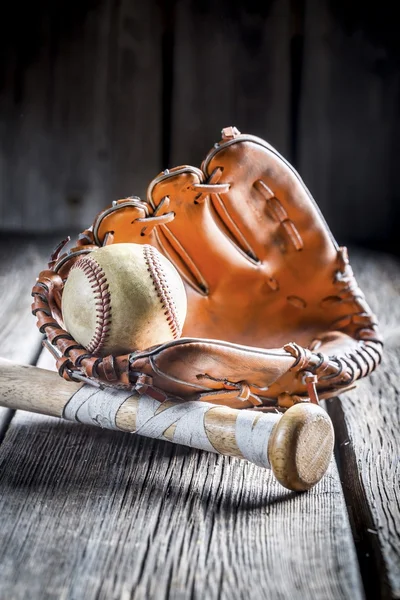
297	445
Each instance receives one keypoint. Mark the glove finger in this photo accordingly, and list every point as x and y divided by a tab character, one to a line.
195	241
271	211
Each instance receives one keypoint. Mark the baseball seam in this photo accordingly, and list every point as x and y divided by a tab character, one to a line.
98	281
159	279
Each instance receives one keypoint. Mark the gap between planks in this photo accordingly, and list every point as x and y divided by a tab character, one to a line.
367	426
21	259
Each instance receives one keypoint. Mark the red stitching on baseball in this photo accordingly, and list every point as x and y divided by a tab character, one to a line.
160	283
99	285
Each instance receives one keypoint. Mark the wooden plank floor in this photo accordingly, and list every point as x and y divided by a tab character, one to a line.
21	260
367	424
87	513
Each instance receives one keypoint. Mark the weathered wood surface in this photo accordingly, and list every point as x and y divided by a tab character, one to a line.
95	514
367	423
88	513
348	144
231	66
20	262
80	109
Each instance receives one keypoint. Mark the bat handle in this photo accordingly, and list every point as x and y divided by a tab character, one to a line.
300	447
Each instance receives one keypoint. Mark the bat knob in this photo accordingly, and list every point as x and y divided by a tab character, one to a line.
301	446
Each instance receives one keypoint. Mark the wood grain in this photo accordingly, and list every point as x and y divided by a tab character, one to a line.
21	260
80	109
96	514
24	387
301	446
231	66
367	424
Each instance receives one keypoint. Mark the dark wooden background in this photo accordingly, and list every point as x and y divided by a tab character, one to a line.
97	96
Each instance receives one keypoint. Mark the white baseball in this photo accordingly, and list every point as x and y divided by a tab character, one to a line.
123	297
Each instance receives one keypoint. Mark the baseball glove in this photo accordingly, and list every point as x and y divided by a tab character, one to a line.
275	315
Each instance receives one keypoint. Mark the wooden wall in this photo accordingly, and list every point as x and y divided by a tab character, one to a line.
349	142
97	96
80	109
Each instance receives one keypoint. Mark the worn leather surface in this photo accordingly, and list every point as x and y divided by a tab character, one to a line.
261	270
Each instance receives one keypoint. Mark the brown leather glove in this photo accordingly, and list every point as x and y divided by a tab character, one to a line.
275	315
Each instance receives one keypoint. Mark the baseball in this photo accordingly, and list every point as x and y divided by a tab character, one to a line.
123	297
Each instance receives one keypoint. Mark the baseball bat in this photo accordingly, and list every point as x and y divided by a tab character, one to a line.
297	445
